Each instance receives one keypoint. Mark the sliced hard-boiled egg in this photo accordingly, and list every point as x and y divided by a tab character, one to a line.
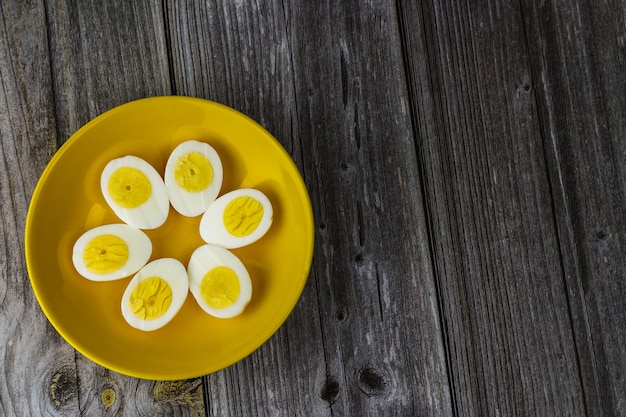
155	294
111	251
193	177
219	281
135	192
237	218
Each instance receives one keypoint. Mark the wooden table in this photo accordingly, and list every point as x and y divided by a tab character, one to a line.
466	163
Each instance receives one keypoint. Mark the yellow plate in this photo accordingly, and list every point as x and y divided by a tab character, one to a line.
67	201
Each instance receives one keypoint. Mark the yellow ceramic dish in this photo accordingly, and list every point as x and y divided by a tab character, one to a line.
67	202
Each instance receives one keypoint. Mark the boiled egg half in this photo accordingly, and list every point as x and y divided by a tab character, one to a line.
237	218
135	192
219	281
155	294
111	251
193	177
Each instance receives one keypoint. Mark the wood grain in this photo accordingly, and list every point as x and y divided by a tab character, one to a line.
104	55
377	291
36	365
510	344
581	58
62	65
466	162
323	79
239	54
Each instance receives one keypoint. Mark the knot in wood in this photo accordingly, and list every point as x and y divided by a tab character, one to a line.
330	390
371	382
341	315
600	235
63	386
107	397
179	392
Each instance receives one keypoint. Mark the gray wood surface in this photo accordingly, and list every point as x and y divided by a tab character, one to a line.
466	162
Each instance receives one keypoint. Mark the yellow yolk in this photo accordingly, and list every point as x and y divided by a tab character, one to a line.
129	187
105	254
151	298
242	216
193	172
220	287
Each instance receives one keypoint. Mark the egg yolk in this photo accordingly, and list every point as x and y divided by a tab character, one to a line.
193	172
129	187
105	254
242	216
220	287
151	298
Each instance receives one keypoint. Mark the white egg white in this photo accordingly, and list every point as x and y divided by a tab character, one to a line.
151	214
203	260
188	203
139	251
213	230
171	271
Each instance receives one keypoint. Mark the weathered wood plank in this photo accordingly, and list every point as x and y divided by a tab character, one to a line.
239	54
102	55
580	66
326	80
496	248
36	365
379	309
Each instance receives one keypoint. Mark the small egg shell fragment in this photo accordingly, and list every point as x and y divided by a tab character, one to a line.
138	248
213	229
193	185
163	301
152	212
205	259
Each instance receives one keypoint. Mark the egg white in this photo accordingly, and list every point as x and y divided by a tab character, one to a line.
203	260
188	203
171	271
152	213
139	251
213	230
